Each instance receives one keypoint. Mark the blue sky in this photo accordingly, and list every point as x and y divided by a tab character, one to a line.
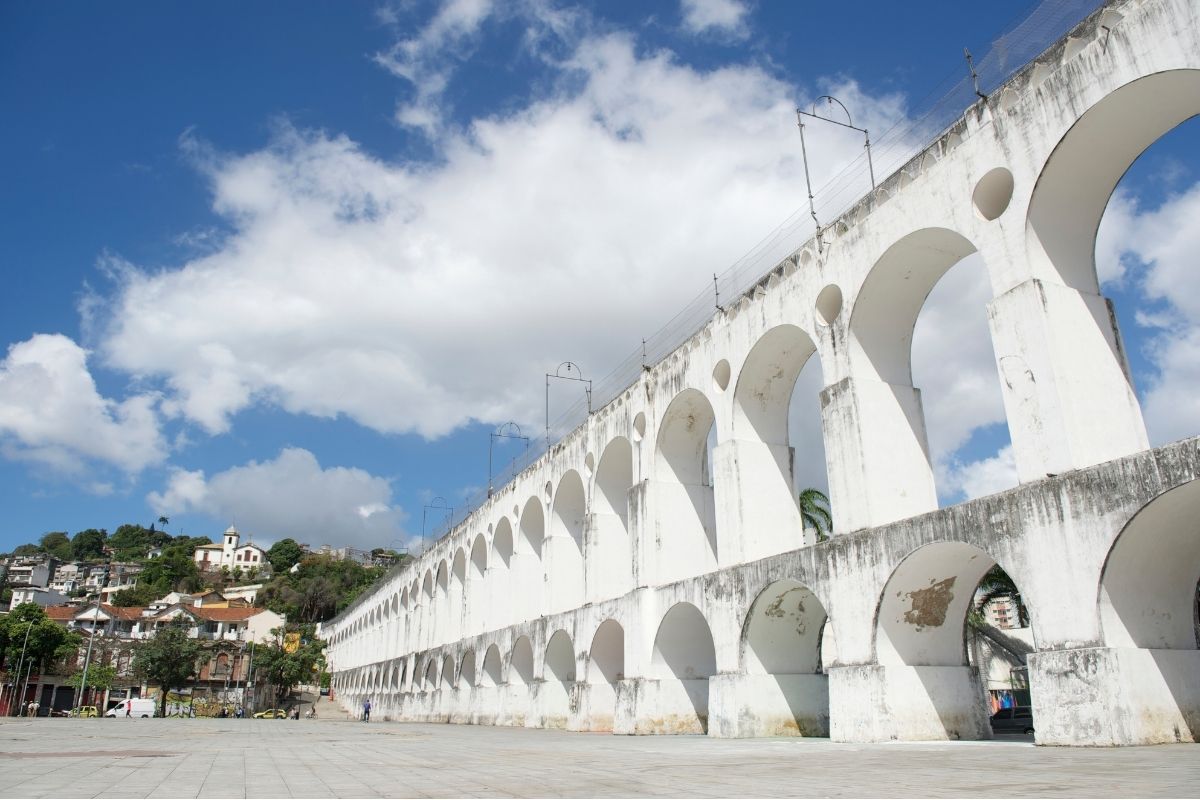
285	265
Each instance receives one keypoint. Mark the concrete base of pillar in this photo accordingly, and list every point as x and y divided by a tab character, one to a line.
743	706
595	708
879	704
485	705
1107	696
670	706
549	705
514	706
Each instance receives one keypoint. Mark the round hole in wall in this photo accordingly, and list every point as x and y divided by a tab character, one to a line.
829	303
549	490
639	427
589	461
993	193
721	375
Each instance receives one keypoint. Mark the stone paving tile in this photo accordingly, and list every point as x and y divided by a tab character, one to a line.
319	758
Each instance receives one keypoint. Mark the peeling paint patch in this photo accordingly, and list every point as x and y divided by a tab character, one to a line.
929	605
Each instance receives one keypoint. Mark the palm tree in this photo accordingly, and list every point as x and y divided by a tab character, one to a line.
163	521
997	583
814	513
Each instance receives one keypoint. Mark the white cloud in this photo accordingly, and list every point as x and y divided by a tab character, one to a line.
979	478
727	17
52	414
1159	248
290	496
419	297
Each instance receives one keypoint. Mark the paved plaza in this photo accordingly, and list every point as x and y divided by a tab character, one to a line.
327	758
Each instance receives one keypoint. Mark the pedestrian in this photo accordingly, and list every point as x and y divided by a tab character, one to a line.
31	709
366	710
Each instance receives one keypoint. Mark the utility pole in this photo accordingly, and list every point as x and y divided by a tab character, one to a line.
87	660
20	663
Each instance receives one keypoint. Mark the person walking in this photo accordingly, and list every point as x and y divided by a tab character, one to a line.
366	710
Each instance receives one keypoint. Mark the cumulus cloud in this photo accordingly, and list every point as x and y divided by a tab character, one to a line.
290	496
979	478
1158	251
726	17
52	414
419	297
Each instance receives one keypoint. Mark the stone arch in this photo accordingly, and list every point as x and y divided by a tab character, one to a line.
683	660
759	459
558	676
609	553
466	669
493	667
479	557
431	674
447	673
1079	177
890	300
765	383
427	586
682	490
605	668
1148	589
564	547
520	663
443	578
920	643
502	544
781	655
532	527
459	569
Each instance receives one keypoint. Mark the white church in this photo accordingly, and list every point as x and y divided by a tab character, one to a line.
229	553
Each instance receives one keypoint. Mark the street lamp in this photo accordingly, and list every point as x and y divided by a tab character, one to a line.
505	431
432	506
570	366
849	123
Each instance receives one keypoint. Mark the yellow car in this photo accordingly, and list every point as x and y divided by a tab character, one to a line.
84	711
272	713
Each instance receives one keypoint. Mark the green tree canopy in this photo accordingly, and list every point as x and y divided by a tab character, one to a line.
169	659
131	542
57	544
815	512
143	594
99	676
284	554
285	670
317	591
47	640
89	544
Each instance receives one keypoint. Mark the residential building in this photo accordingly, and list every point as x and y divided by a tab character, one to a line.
31	571
35	594
230	553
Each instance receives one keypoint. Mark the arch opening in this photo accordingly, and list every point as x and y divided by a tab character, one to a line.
493	665
520	668
608	547
684	490
564	560
683	660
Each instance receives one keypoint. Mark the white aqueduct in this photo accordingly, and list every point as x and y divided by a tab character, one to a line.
616	585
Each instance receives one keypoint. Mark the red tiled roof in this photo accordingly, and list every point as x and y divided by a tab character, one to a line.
225	614
123	612
61	613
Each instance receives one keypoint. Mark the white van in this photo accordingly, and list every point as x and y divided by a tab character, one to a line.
134	707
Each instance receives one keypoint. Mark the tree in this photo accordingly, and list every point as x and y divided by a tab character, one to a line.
283	555
284	666
169	659
26	550
47	641
142	594
997	583
99	677
56	544
163	521
131	542
89	544
318	589
815	513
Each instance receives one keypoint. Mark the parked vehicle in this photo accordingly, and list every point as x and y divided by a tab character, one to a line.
1018	719
83	711
134	707
272	713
